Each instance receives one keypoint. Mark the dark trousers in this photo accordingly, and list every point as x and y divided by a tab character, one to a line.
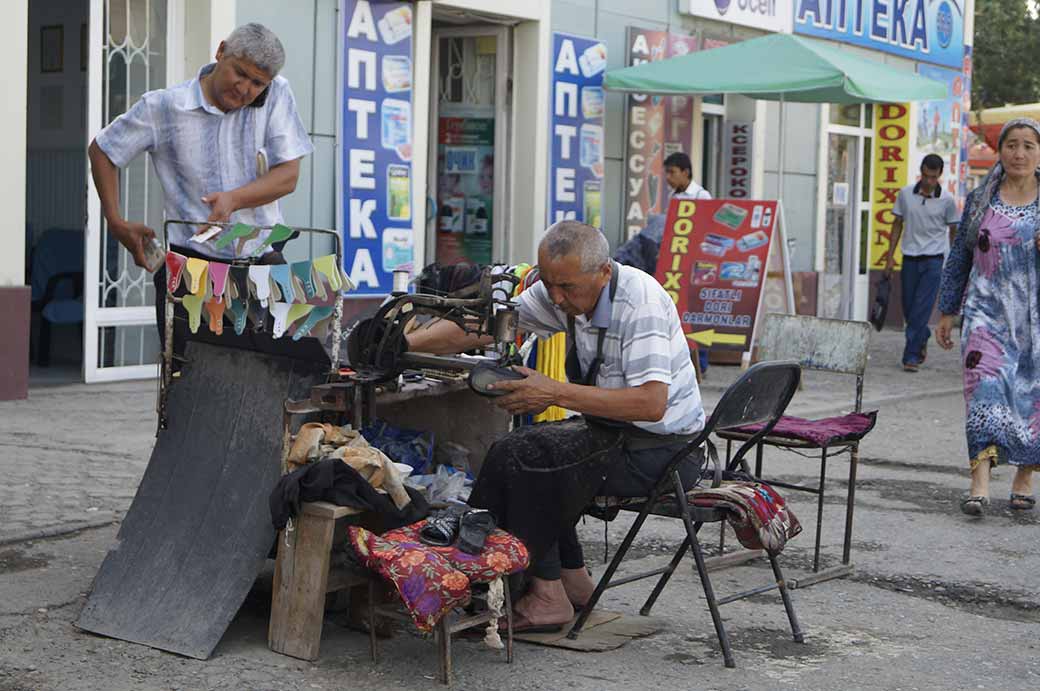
920	279
634	476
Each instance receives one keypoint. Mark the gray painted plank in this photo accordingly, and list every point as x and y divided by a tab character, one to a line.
199	528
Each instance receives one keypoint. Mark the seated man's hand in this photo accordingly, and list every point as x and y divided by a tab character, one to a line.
533	394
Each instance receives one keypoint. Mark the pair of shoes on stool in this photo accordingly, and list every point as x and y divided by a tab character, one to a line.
470	527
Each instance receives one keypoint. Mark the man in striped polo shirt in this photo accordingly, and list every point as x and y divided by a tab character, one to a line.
630	374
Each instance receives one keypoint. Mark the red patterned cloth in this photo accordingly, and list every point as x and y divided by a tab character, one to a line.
758	514
823	432
433	580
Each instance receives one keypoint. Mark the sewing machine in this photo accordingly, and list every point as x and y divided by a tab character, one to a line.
376	346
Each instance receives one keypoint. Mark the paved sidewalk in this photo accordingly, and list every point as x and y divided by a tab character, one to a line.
885	380
74	455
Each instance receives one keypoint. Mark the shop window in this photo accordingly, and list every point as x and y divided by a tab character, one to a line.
847	115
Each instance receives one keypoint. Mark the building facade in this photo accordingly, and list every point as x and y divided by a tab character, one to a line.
449	130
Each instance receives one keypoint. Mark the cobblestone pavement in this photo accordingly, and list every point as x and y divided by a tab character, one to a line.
73	456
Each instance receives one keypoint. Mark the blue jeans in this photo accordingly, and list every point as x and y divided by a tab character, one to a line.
920	280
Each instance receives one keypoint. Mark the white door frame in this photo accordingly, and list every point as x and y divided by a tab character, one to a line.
96	317
500	231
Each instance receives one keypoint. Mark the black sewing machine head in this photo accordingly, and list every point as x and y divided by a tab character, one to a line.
376	346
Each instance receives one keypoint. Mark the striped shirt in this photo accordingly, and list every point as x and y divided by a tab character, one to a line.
197	149
644	343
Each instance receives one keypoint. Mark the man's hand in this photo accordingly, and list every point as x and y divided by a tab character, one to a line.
944	330
222	205
890	264
533	394
133	237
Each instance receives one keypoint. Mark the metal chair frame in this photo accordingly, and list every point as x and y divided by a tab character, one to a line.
736	408
774	343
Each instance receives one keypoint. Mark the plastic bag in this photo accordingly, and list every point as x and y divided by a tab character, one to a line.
448	485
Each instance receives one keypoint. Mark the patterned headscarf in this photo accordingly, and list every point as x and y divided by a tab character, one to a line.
990	184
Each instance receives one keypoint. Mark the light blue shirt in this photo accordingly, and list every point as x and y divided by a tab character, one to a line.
197	149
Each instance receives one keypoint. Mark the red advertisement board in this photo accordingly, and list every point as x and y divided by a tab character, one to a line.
656	126
713	262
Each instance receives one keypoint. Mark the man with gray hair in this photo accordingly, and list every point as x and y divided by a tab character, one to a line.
226	146
630	377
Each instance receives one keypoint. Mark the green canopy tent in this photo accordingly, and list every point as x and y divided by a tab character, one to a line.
778	67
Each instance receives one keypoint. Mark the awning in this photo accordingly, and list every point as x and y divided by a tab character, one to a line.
778	67
988	123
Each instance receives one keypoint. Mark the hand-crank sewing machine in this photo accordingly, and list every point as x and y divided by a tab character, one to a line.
378	354
376	346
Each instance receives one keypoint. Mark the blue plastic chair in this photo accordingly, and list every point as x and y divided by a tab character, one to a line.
56	279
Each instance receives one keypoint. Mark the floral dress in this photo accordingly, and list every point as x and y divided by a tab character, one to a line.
994	285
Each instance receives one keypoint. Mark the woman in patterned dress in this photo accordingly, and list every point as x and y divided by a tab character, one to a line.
991	278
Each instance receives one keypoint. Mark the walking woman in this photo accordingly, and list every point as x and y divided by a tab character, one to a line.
991	279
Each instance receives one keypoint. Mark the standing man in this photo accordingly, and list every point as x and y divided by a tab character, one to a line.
678	173
929	219
226	146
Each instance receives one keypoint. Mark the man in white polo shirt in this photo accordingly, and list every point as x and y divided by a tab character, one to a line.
926	219
630	377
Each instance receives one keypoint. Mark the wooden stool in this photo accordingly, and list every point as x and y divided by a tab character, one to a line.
449	624
302	578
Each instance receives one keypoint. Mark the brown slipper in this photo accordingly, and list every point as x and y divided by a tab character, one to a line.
521	624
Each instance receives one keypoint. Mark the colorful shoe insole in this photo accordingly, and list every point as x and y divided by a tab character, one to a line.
260	278
193	305
197	275
215	310
174	270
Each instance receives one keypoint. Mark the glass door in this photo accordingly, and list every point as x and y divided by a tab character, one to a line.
468	145
842	214
128	54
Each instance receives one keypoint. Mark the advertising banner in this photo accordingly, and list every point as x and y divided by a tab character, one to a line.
890	172
713	262
576	128
736	160
926	30
939	127
375	154
656	126
466	185
966	135
771	15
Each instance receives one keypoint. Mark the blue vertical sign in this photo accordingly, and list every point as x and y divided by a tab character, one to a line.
376	142
576	128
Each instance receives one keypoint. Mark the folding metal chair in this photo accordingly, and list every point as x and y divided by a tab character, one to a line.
759	396
825	345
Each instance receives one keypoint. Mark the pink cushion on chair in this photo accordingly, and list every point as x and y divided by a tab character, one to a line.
824	432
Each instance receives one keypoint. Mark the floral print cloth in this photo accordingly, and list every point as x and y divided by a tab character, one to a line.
432	580
994	285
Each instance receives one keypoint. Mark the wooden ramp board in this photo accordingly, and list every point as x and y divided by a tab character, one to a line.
199	528
602	632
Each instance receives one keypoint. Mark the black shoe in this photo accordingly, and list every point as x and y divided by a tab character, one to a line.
474	528
442	527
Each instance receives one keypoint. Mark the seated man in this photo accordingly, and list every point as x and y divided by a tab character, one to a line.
630	377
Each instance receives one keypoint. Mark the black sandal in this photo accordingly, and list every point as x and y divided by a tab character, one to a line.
1022	502
474	528
974	506
442	527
